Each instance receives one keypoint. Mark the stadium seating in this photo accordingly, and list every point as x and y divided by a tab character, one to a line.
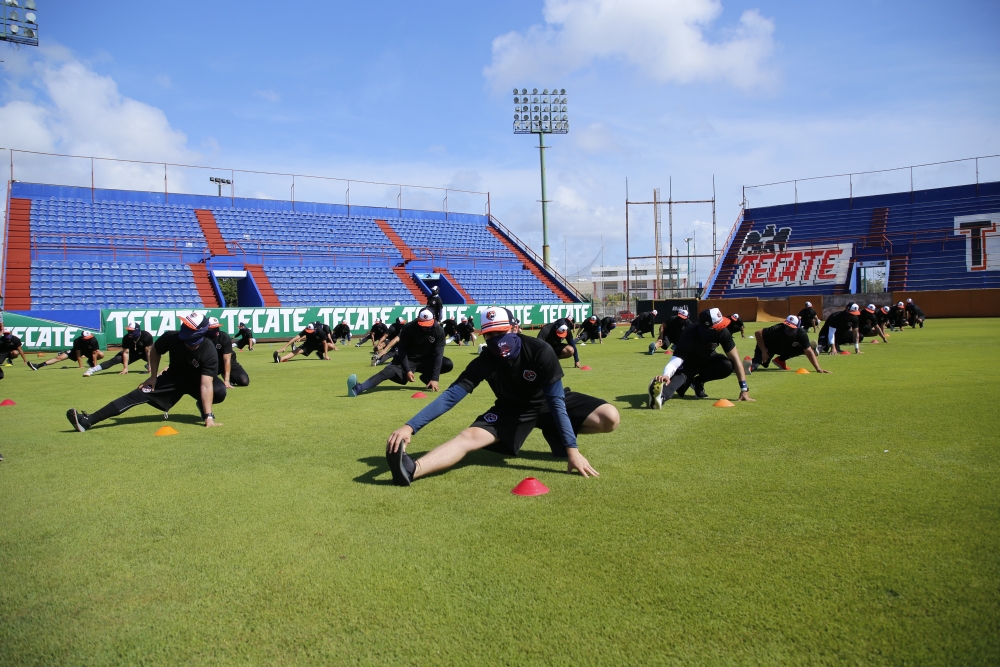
508	286
335	285
463	239
297	232
64	285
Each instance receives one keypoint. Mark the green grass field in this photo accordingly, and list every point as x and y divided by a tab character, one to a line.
845	518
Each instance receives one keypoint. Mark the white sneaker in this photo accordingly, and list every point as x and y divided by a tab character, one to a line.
747	367
655	394
87	373
583	345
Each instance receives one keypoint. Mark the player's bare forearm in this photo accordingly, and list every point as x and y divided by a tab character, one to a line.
734	356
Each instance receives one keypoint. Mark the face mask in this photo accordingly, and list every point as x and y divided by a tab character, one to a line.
507	346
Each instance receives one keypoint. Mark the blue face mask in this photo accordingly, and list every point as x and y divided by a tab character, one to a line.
507	346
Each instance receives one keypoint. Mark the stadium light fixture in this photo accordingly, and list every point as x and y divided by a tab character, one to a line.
20	29
220	182
541	113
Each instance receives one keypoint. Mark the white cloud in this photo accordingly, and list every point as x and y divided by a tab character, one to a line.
663	38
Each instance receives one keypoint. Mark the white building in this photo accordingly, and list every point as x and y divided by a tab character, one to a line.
608	280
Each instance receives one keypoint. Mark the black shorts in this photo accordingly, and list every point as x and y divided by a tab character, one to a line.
511	425
170	389
309	348
77	355
243	343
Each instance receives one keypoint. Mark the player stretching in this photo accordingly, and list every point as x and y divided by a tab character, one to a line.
10	348
84	347
696	362
780	343
841	327
314	339
135	346
526	379
193	367
420	350
556	334
643	323
233	375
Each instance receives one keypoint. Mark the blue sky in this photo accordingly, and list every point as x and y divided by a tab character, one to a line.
749	92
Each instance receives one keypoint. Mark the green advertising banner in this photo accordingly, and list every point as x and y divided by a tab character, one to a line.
45	336
285	322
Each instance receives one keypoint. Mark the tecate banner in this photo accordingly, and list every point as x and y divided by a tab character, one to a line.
43	335
790	267
287	322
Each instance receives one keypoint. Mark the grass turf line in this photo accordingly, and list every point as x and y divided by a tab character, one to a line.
774	532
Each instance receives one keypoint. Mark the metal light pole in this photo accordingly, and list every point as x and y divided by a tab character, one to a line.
541	113
688	280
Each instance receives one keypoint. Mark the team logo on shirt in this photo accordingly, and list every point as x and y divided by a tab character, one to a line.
218	346
489	418
194	362
530	376
430	339
146	389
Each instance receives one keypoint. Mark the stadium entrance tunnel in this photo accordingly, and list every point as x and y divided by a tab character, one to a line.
447	291
247	293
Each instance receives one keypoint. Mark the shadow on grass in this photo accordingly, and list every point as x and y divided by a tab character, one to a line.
483	458
635	401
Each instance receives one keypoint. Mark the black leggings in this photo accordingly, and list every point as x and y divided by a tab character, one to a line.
238	375
117	359
716	367
395	373
166	395
4	356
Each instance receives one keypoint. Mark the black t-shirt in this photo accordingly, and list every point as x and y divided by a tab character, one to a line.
608	323
379	330
449	327
465	329
394	330
697	344
223	345
806	316
520	384
87	346
867	320
548	332
325	328
341	331
314	339
420	345
188	366
675	326
881	318
245	334
436	304
137	346
735	326
593	329
914	310
785	341
896	313
9	344
843	321
644	321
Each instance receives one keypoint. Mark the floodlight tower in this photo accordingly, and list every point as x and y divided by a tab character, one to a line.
220	182
541	113
20	25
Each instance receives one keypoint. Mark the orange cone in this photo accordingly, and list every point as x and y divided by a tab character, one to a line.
874	342
748	358
419	394
844	352
584	368
802	371
41	354
529	486
166	430
5	402
723	403
667	352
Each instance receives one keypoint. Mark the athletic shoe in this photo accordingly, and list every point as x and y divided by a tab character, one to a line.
401	466
374	359
352	386
780	363
655	394
277	357
87	373
652	348
699	390
32	366
747	367
79	420
583	344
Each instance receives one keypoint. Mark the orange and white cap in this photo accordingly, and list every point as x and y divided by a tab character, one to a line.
495	319
425	318
899	305
885	309
213	323
713	318
792	321
735	316
809	304
870	307
562	330
854	309
87	334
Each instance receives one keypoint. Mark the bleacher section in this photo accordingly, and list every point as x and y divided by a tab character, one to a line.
336	285
64	285
82	249
508	286
818	247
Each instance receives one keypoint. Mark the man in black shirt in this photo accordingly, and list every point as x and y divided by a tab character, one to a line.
420	350
466	331
435	303
882	317
526	378
841	327
914	315
556	334
193	367
233	375
246	337
376	335
450	327
84	347
342	332
736	325
10	348
696	362
897	317
643	323
135	346
808	318
313	339
868	324
670	331
607	324
384	351
591	331
779	343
